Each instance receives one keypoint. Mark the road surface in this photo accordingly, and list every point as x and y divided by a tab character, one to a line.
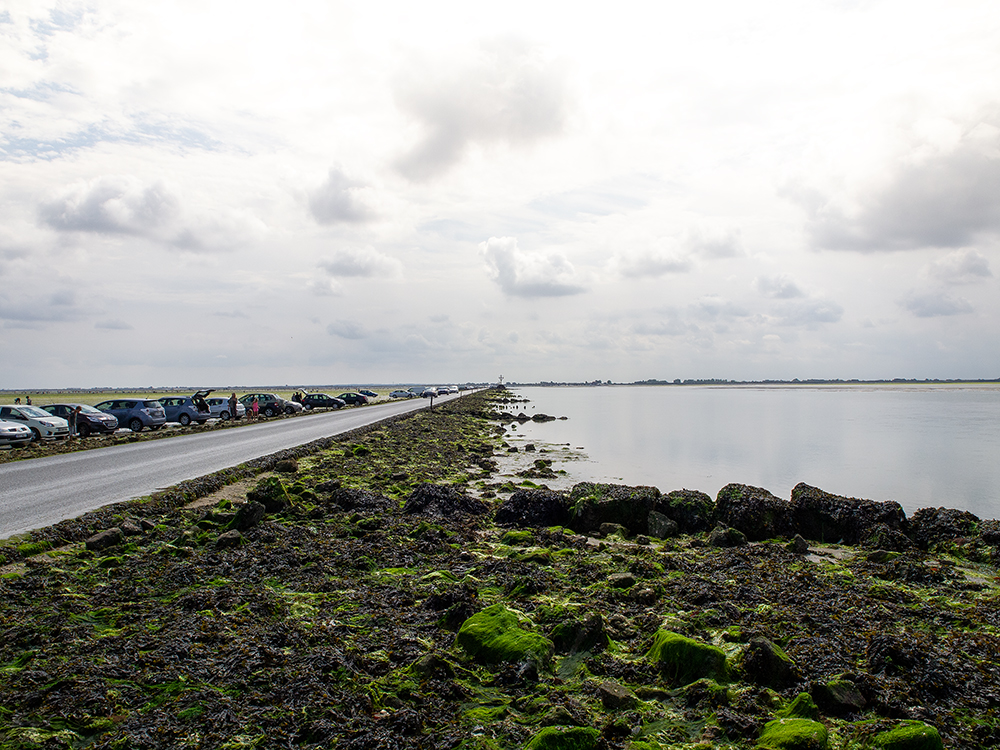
39	492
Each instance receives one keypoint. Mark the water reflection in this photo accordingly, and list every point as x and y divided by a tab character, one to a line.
921	446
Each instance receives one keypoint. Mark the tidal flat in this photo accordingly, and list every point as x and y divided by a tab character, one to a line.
391	589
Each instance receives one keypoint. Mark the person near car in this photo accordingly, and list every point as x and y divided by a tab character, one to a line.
254	408
71	417
232	405
27	401
200	404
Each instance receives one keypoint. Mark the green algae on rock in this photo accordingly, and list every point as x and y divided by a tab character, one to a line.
564	738
911	735
793	734
682	660
498	634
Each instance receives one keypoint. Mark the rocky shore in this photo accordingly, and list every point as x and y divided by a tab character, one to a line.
388	589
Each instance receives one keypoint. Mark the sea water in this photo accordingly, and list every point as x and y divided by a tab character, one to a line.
934	445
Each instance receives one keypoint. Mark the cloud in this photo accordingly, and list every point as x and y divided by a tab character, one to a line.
961	267
778	287
339	200
521	274
114	324
810	313
347	329
935	304
113	204
947	200
715	243
362	262
651	264
224	230
507	94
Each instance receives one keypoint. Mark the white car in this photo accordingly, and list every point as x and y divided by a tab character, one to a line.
219	407
43	425
402	394
14	434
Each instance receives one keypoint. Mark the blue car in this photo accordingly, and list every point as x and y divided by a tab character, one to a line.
187	409
135	413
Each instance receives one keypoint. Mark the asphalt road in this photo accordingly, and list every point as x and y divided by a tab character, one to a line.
39	492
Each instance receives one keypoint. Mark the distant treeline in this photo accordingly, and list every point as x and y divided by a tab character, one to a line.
794	381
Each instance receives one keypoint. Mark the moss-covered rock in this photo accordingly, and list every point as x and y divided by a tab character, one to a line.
764	663
802	707
839	696
498	634
564	738
793	734
683	660
910	735
595	504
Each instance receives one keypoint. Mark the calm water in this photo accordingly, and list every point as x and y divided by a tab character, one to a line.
919	445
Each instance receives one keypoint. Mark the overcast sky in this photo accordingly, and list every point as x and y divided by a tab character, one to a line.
214	193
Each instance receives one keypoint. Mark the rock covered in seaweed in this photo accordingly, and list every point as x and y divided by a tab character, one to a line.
832	518
755	512
443	501
536	508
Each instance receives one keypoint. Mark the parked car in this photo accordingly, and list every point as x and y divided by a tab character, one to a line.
270	405
219	407
89	421
14	434
43	425
452	389
402	394
369	394
354	399
429	392
135	413
442	390
321	401
187	409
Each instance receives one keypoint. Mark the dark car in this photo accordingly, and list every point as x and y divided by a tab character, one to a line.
269	404
369	394
89	421
321	401
354	399
135	413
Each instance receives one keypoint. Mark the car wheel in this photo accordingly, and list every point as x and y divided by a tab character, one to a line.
35	435
184	419
289	410
224	416
83	430
268	412
135	424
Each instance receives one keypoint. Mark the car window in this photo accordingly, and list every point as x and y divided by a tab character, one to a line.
149	404
6	412
89	409
128	404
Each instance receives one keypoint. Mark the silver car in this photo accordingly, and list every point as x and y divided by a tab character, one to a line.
43	425
219	407
14	434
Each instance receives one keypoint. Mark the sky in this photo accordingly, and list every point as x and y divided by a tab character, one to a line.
223	193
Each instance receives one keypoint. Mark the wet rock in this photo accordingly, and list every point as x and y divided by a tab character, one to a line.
271	494
574	635
722	536
682	660
362	501
231	538
616	697
910	735
146	525
801	707
130	527
886	538
287	466
530	448
593	504
250	514
660	526
989	531
433	666
839	696
613	529
442	501
693	510
621	580
825	517
537	508
929	526
706	692
763	663
798	545
543	418
565	738
754	511
104	539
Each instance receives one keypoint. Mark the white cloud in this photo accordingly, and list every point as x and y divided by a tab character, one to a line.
112	204
935	304
114	324
650	265
348	329
364	262
521	274
339	200
506	93
778	287
961	267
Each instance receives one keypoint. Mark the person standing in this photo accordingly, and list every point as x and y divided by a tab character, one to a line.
73	417
27	400
255	408
233	404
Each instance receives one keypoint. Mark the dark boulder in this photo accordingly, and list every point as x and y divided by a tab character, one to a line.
594	504
270	493
881	537
929	526
250	514
364	501
660	526
825	517
105	539
442	500
763	663
722	536
535	508
574	635
754	511
693	510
